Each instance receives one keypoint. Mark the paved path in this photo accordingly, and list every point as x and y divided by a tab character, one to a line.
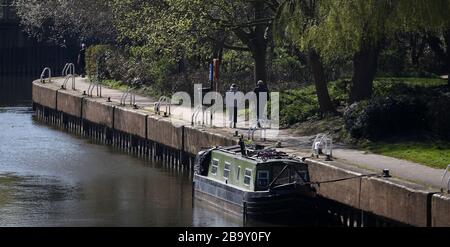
299	145
400	168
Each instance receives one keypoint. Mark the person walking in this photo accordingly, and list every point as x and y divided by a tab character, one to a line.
262	97
82	60
232	106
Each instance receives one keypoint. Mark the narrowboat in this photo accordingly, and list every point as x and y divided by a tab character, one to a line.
254	182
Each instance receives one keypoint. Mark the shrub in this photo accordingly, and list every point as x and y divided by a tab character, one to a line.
298	105
339	91
438	115
116	65
96	56
385	116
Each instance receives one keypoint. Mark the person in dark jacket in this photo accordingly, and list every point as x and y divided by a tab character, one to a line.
232	107
261	100
82	61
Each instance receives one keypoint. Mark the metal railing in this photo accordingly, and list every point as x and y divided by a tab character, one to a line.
210	112
323	145
129	93
95	84
68	67
195	114
163	100
69	73
264	125
207	114
47	69
444	177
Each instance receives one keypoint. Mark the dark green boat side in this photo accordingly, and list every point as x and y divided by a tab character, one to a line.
256	183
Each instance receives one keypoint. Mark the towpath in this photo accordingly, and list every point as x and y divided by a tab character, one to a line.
343	156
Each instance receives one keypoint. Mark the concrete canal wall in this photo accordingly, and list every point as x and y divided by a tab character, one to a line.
136	123
401	201
440	210
97	112
362	201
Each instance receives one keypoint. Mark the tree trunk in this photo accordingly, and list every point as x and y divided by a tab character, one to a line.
259	44
315	63
447	44
418	43
365	64
414	51
436	46
259	54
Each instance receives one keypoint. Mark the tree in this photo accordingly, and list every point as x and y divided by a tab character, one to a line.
177	25
60	20
447	42
337	29
358	29
296	21
431	17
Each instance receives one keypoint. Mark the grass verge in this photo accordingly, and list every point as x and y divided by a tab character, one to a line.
115	84
436	155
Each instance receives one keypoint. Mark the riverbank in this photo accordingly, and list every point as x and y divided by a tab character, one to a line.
392	198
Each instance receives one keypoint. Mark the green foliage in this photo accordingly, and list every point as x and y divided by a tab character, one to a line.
236	61
383	117
285	67
95	61
300	104
114	84
385	86
159	26
393	60
114	64
297	105
340	28
160	71
339	91
116	68
401	108
178	28
61	20
423	15
335	28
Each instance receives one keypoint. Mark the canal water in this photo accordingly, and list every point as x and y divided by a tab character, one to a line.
52	178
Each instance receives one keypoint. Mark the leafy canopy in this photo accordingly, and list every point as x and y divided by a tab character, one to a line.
340	28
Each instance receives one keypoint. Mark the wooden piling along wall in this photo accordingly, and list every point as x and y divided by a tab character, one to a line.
132	131
357	202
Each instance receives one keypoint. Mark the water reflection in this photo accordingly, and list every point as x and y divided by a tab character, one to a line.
15	89
51	178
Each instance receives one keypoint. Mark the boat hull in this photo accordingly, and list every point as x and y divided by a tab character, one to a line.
266	205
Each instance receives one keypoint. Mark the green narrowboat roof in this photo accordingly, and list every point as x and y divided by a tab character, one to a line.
256	156
229	166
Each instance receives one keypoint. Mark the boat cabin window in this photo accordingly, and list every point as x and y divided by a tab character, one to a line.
238	175
263	178
302	176
286	173
248	177
214	167
226	170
